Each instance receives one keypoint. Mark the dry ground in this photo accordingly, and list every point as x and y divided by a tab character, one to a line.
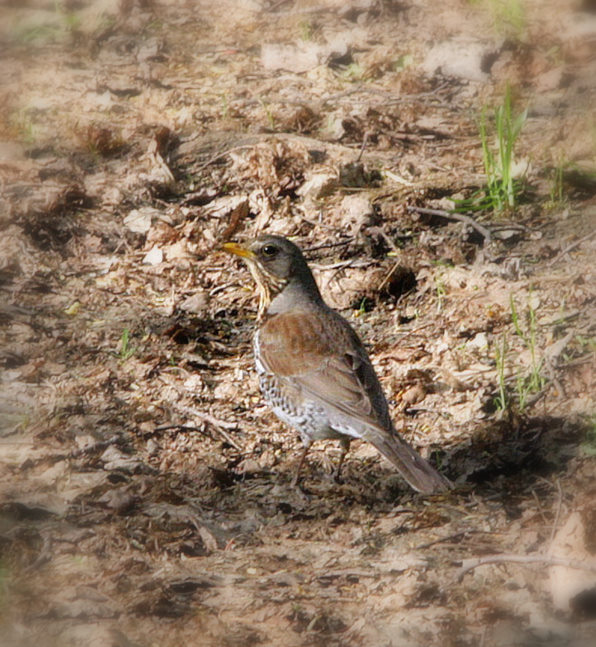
145	489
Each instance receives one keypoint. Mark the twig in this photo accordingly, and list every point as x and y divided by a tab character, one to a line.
277	4
363	146
475	562
221	288
341	264
341	243
397	178
539	506
219	425
212	420
218	156
513	226
185	428
531	401
483	231
395	98
578	361
438	414
389	96
345	93
379	231
336	268
45	554
440	540
92	448
389	274
569	248
409	333
317	223
557	514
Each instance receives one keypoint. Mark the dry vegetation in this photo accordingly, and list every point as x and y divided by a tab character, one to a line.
145	493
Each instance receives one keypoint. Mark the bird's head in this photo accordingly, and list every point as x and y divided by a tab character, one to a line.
274	262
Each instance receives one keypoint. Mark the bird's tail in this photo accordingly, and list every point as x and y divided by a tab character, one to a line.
418	472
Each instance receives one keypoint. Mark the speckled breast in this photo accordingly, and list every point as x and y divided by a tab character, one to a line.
307	417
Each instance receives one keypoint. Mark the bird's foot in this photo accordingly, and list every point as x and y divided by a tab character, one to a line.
299	489
337	477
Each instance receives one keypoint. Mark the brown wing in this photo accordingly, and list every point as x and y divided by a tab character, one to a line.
324	358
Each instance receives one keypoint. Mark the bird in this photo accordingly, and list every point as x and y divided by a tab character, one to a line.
313	369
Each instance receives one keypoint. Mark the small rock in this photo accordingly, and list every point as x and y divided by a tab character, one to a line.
119	500
459	58
152	447
357	211
113	459
229	205
480	341
413	395
177	250
293	58
249	466
153	257
196	303
318	186
139	220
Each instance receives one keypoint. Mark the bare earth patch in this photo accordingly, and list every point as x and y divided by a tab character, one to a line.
145	494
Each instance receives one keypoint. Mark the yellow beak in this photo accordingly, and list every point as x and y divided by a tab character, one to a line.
238	250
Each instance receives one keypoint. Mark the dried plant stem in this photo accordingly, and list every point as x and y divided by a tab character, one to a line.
475	562
483	231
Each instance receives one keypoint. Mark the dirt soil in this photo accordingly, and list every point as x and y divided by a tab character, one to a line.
145	488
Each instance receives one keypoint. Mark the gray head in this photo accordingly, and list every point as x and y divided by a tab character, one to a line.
275	264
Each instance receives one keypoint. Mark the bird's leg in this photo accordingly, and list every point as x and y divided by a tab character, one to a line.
300	463
345	448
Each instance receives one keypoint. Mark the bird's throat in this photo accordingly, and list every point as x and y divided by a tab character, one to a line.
268	287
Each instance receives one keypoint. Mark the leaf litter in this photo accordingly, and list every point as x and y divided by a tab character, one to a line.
145	488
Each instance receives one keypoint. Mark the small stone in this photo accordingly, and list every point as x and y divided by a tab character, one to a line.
153	257
196	303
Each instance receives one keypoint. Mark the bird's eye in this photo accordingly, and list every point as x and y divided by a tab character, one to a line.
269	251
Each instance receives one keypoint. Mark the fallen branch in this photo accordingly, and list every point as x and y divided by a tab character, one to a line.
220	426
475	562
570	248
460	217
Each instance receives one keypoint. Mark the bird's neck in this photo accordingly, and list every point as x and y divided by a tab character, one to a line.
294	295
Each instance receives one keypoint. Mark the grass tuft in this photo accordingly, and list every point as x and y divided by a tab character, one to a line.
503	186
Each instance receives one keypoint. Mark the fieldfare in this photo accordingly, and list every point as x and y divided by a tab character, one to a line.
313	369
